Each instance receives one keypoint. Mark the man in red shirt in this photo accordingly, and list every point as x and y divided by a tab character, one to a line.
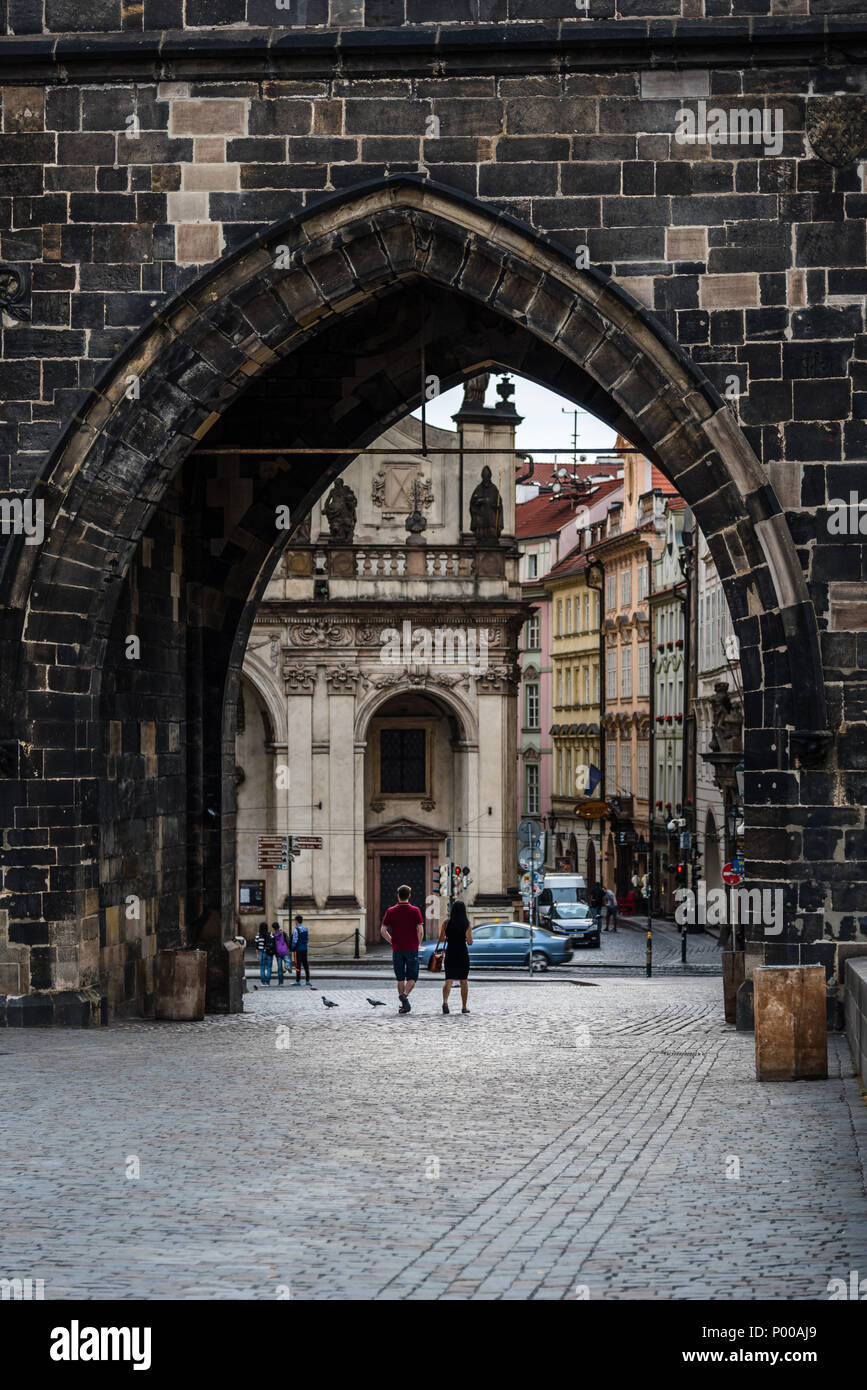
403	928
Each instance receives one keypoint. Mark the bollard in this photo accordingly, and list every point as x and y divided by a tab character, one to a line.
744	1011
357	945
181	985
790	1020
732	977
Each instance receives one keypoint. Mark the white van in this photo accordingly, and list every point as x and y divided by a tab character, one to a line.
559	888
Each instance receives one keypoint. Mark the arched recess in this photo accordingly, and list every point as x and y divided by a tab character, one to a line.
452	703
259	674
310	336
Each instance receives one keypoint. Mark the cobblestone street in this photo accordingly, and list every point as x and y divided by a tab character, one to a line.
559	1136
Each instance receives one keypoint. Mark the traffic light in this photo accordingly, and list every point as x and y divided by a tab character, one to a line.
680	875
436	879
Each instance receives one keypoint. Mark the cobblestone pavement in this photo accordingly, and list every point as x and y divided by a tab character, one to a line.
559	1136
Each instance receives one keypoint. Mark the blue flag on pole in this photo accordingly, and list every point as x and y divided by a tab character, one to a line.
593	781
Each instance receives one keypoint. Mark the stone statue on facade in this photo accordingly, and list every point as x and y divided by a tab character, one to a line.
340	511
486	510
727	731
475	390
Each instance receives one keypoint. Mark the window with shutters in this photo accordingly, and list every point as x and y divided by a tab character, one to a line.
531	788
611	592
611	675
532	704
611	767
644	670
626	769
643	771
626	673
625	588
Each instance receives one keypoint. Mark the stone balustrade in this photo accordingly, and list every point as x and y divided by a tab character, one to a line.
394	562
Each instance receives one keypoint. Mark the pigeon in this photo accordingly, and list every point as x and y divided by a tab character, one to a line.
329	1003
375	1003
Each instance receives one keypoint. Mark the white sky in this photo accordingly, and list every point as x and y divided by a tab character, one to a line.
544	424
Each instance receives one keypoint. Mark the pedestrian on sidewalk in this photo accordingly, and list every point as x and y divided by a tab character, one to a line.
610	909
597	902
281	951
266	946
300	944
457	933
403	928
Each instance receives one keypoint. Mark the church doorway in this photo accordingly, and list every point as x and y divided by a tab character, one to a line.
397	869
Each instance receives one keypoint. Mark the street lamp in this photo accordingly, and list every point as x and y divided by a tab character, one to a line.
736	808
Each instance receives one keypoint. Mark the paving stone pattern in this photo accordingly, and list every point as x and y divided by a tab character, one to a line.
581	1136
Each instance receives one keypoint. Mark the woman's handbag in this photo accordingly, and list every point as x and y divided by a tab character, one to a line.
435	963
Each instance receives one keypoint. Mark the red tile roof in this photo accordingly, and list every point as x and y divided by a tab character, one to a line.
546	515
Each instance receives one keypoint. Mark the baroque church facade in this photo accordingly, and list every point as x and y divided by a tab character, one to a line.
380	682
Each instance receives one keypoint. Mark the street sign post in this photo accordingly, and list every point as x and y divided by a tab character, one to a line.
307	841
731	872
528	831
274	851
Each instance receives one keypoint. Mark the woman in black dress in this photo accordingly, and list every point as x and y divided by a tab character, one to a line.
457	934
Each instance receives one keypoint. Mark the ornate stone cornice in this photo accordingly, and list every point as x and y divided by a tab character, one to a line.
415	679
320	632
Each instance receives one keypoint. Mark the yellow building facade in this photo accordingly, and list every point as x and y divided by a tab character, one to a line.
575	728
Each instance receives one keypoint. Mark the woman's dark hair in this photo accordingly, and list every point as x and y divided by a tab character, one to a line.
459	916
275	926
263	926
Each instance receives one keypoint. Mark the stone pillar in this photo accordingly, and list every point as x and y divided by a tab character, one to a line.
497	783
342	772
791	1027
293	802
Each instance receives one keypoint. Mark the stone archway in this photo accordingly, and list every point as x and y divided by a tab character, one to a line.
147	536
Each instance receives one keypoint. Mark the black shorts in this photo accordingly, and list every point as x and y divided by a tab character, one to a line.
405	965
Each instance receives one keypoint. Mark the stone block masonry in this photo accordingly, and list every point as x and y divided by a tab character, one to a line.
150	169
